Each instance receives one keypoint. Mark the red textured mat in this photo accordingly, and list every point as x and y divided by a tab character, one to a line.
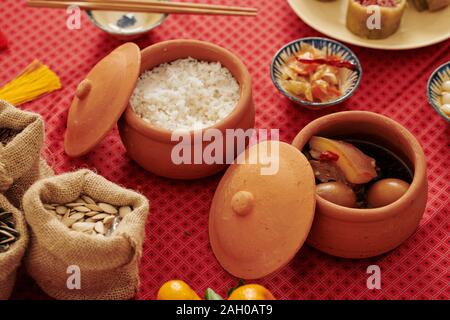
177	245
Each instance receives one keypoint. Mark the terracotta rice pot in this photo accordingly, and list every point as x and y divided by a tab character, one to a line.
361	233
151	147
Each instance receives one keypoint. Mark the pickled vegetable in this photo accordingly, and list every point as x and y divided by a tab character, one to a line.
446	86
311	75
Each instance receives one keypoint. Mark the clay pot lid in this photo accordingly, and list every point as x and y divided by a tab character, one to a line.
101	98
258	222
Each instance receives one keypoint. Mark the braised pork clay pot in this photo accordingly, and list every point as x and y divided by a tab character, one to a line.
361	233
151	147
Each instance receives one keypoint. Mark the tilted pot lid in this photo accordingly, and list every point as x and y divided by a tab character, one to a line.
258	222
101	98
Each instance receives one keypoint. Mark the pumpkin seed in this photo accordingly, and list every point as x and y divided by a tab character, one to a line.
123	211
107	208
6	237
88	199
8	233
93	207
77	216
49	207
7	240
100	216
81	209
5	215
61	210
108	220
69	221
75	204
83	226
8	229
66	215
86	215
99	227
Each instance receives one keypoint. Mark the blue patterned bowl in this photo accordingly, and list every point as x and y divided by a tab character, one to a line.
434	85
349	79
124	27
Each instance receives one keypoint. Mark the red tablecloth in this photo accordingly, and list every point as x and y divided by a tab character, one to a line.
176	243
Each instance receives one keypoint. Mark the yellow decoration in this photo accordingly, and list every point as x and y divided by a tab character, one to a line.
36	80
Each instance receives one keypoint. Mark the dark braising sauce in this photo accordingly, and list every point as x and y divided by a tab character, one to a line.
388	165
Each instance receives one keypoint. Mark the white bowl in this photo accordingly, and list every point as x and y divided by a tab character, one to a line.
125	25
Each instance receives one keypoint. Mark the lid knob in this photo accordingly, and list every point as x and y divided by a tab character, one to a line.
242	202
83	89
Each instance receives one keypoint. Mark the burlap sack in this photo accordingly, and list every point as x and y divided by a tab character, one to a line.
21	140
108	266
10	260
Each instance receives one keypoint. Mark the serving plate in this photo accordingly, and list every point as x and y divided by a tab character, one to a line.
418	29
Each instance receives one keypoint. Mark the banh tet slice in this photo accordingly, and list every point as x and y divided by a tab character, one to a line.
421	5
359	12
357	167
434	5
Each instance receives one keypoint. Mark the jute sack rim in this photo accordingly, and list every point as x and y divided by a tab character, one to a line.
113	251
11	259
28	124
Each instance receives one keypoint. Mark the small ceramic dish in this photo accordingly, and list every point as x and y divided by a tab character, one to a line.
349	79
434	88
125	25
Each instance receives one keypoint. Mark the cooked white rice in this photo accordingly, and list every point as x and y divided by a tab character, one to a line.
185	94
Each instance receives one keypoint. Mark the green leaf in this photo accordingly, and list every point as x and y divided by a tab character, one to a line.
211	295
239	284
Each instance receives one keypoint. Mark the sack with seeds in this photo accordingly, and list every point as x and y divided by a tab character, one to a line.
13	242
21	140
86	236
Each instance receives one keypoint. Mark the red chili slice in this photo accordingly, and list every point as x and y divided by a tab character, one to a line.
329	156
332	91
305	69
318	93
330	62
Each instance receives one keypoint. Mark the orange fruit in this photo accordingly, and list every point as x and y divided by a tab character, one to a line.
251	292
176	290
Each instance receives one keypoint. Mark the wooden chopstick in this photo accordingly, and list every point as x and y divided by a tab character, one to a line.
171	4
132	7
